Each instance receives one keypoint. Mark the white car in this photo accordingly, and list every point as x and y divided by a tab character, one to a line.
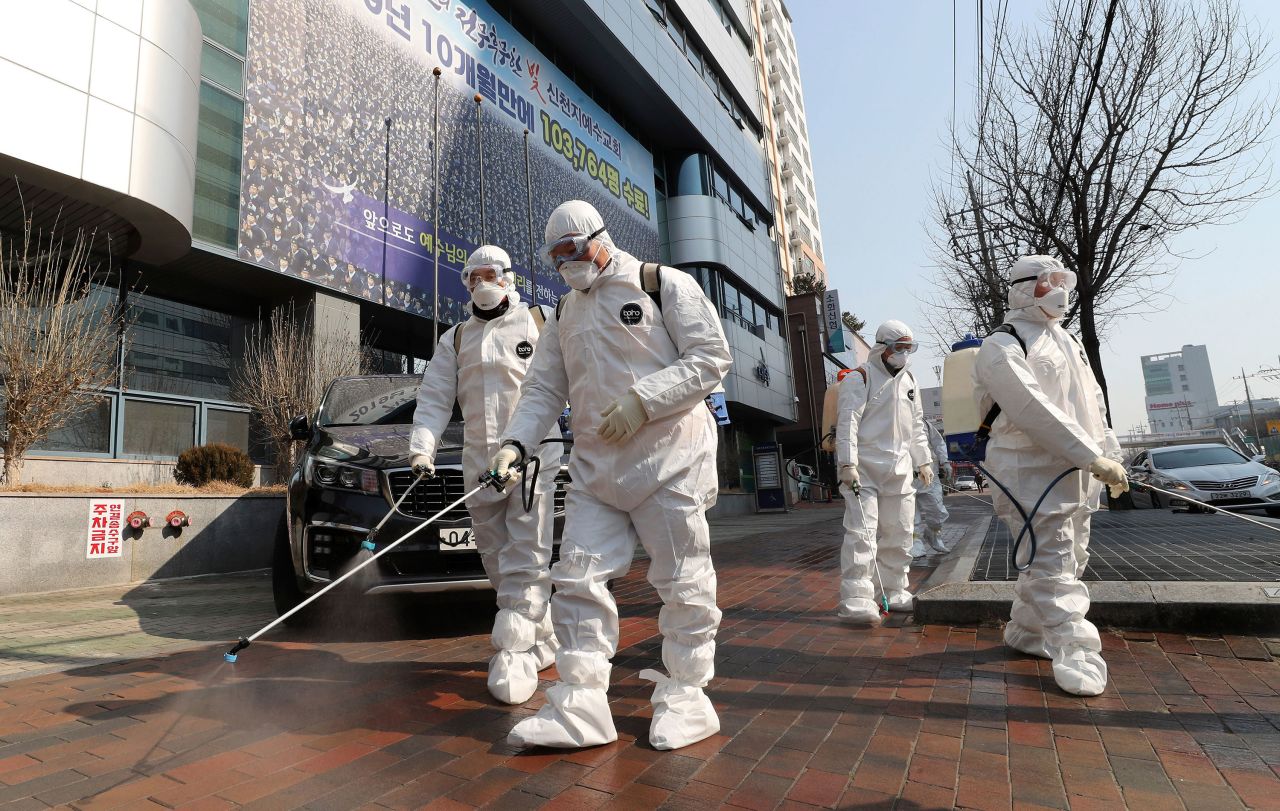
966	483
1212	473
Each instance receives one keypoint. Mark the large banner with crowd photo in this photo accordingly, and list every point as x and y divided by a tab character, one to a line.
337	180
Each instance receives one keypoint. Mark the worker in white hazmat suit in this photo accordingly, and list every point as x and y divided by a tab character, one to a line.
635	351
1052	418
482	362
931	509
880	446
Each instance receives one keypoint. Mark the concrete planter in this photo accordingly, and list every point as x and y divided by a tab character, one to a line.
43	540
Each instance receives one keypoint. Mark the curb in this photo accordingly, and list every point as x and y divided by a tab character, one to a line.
949	597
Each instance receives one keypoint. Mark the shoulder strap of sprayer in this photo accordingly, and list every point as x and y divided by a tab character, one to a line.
984	430
539	316
650	283
457	337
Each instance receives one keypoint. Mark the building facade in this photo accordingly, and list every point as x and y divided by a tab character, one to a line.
787	142
1180	395
346	155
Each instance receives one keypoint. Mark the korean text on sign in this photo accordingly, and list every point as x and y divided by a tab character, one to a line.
106	520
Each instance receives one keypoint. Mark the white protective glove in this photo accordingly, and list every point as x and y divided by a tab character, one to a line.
423	465
1111	473
926	475
848	476
622	418
502	461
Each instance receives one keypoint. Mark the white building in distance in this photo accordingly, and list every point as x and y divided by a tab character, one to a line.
1180	391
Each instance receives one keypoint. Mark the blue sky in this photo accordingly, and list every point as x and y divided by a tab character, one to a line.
878	92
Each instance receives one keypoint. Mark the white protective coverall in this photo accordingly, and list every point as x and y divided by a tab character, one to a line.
931	509
485	377
652	487
1053	417
880	430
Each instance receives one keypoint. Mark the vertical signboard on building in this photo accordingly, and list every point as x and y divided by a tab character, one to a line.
333	193
831	313
106	520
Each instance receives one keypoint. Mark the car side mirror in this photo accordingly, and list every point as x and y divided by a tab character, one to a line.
1260	457
299	428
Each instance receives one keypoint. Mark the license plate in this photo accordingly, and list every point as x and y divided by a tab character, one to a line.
1229	494
457	539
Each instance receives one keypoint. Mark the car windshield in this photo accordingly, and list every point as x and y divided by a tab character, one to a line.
1196	457
382	400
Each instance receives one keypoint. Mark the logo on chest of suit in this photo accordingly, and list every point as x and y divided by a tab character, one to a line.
524	350
911	394
630	314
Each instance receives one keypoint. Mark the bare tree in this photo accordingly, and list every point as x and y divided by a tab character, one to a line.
1099	138
284	372
58	339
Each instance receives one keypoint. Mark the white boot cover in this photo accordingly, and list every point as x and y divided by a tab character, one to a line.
513	670
860	611
544	650
513	676
1026	641
934	541
682	713
577	713
1080	671
901	601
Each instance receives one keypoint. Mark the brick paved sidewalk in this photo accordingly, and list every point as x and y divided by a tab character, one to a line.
814	715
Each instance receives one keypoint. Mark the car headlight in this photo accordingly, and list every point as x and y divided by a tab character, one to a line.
1171	484
342	477
1269	479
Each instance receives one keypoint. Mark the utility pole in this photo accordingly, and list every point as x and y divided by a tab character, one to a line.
1253	418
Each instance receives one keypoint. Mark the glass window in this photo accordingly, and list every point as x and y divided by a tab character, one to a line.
719	185
218	150
218	66
676	33
228	427
655	8
158	429
179	349
226	22
89	431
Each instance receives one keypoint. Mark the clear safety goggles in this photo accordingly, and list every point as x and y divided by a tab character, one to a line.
472	275
568	248
1047	280
904	345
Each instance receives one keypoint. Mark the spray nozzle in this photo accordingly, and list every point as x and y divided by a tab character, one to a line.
884	603
230	655
367	544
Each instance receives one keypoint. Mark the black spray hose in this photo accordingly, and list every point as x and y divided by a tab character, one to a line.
1027	531
533	468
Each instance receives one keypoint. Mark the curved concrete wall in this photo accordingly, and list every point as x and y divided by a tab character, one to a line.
702	230
103	101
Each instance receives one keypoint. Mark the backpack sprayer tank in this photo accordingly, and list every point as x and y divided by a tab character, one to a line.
960	417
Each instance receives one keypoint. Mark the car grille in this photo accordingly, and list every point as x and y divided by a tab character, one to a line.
1237	484
430	496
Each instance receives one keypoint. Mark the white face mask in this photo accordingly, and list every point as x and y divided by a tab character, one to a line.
579	275
487	295
1054	303
896	360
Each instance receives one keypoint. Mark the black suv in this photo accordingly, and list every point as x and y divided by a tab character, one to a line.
354	468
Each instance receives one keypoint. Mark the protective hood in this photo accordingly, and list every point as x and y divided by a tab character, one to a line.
891	331
1021	299
493	255
887	334
576	217
579	217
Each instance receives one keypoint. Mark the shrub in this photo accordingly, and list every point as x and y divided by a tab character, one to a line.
215	462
